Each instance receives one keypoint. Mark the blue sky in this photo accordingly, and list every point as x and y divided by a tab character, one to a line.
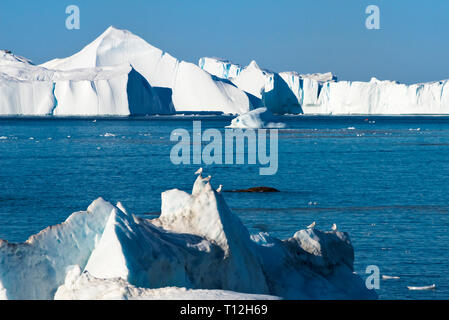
302	35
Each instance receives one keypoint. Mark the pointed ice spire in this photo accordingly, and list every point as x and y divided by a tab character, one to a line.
312	225
253	64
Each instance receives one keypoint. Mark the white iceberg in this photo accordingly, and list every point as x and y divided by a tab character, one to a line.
256	119
121	74
280	93
36	268
266	89
322	93
196	249
179	84
26	89
381	97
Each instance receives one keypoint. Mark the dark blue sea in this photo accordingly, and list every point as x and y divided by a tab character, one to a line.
384	180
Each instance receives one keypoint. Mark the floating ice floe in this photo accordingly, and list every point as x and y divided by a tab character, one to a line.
386	277
431	287
196	249
256	119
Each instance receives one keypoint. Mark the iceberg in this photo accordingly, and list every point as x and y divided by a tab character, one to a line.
281	93
259	118
265	88
381	98
324	94
36	268
180	85
197	248
121	74
26	89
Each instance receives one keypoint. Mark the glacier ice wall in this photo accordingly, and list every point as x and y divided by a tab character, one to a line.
322	93
380	97
197	243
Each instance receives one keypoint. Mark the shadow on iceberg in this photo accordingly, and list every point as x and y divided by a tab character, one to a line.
280	99
197	243
254	101
143	99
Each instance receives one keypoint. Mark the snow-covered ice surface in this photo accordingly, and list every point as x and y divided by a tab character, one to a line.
196	249
256	119
83	286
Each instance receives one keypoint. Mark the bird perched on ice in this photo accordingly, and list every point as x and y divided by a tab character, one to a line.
199	171
207	179
312	225
219	188
334	227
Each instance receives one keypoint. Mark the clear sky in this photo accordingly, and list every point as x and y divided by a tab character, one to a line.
301	35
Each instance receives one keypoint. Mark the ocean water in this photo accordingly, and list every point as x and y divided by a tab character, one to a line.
382	179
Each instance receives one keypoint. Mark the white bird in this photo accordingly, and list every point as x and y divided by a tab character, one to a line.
199	171
219	188
334	227
311	226
207	179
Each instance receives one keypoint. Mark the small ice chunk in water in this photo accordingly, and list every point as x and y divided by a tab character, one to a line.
385	277
431	287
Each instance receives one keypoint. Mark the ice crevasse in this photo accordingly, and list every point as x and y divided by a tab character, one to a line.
197	248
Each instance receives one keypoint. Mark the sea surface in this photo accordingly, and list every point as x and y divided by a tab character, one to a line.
384	180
